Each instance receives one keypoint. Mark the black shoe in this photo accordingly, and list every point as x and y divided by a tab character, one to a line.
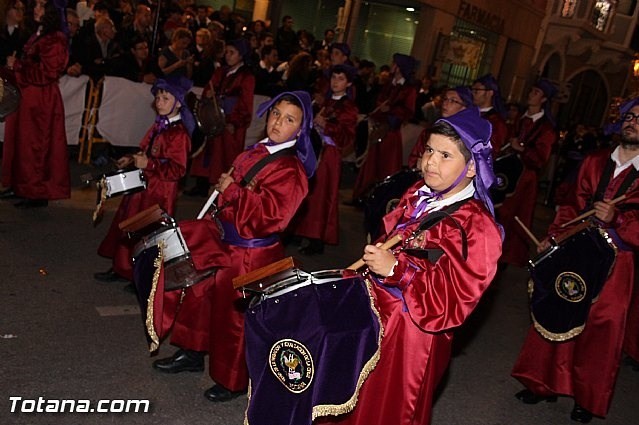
315	246
109	276
8	194
528	397
219	394
31	203
580	414
181	361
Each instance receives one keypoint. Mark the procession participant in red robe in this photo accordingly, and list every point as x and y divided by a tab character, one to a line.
162	157
586	366
395	105
318	217
534	140
35	163
233	85
211	316
428	287
487	97
454	100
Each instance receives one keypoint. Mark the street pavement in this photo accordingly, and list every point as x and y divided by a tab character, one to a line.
65	336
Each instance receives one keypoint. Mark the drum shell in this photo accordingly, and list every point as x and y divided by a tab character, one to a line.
508	169
124	182
384	196
566	280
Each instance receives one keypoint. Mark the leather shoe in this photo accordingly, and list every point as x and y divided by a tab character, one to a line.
181	361
109	276
31	203
580	414
528	397
219	394
8	194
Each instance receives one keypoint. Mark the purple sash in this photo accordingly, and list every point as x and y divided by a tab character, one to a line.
232	237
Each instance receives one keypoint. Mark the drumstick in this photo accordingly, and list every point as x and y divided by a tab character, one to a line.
528	232
386	245
211	199
591	212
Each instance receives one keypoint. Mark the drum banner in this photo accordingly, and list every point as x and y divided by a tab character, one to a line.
565	282
309	351
148	275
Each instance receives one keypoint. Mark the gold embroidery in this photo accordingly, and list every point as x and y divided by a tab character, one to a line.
349	405
157	263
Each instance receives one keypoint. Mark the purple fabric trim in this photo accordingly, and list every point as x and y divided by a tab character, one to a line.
436	195
617	240
408	275
232	237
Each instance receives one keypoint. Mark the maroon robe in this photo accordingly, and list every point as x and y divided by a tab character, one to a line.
318	216
235	94
211	317
418	330
586	366
631	342
385	158
498	137
35	161
538	139
167	165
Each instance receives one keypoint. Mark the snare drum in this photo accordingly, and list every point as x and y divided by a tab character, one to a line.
179	271
566	279
123	182
310	345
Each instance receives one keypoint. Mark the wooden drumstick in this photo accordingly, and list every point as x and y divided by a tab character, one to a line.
591	212
386	245
528	232
211	199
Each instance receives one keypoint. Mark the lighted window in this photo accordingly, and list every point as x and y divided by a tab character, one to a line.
569	8
601	13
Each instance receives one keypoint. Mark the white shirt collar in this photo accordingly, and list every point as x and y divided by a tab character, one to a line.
263	66
336	97
279	146
467	192
399	81
234	70
486	109
534	117
175	118
621	167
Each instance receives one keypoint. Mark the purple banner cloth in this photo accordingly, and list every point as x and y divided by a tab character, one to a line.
307	348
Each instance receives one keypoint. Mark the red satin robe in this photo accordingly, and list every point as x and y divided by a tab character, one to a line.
586	366
538	144
211	317
318	216
235	93
631	342
418	333
385	158
35	161
167	165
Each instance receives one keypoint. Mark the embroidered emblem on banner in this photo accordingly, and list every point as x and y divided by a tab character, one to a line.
570	286
292	365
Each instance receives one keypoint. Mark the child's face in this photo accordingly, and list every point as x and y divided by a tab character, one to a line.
339	83
442	163
164	102
232	56
284	122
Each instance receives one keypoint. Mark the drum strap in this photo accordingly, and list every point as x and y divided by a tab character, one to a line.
605	180
263	162
431	220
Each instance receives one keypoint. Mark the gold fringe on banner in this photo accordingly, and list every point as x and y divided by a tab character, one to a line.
157	263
